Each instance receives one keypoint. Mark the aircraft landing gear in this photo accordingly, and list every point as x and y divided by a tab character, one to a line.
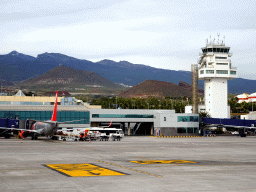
34	137
7	136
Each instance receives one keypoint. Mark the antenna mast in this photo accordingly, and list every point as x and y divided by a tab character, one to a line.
218	38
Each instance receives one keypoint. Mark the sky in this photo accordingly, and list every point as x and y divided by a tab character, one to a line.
164	34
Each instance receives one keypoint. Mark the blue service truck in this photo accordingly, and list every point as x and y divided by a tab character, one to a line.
6	124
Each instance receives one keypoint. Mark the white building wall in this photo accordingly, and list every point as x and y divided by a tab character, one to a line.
188	108
216	97
201	108
229	113
171	120
164	121
162	118
250	116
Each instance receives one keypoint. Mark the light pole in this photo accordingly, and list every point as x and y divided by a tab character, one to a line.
159	107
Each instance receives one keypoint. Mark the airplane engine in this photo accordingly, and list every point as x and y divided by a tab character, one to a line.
23	134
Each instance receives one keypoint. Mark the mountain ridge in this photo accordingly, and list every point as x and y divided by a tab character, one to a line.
19	68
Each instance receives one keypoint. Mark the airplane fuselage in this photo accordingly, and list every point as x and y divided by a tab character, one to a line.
45	129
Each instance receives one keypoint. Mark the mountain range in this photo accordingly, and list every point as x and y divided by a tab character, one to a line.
20	67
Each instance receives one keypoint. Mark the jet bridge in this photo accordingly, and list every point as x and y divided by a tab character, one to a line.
240	124
230	122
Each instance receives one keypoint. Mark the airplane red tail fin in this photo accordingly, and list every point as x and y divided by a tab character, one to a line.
110	123
54	114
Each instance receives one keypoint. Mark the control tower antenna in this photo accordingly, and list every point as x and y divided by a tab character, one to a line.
210	39
218	38
224	40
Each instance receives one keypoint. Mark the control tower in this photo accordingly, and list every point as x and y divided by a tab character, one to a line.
215	69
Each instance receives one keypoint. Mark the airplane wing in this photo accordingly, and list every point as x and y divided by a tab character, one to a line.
234	126
21	132
5	130
17	129
228	126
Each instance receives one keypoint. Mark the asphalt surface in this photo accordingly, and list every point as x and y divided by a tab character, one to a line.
179	164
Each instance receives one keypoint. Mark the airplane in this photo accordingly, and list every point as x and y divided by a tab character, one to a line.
44	128
239	130
233	124
41	128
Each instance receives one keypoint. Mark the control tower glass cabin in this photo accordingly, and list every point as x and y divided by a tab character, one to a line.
215	69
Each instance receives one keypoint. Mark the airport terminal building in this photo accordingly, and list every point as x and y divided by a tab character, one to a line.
148	122
132	121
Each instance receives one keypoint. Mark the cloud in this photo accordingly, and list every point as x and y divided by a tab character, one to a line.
159	33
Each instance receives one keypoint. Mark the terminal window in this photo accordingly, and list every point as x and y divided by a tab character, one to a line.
220	57
121	116
181	130
210	71
187	118
222	71
62	116
187	130
190	130
222	63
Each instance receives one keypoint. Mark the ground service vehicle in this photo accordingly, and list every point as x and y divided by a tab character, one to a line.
104	134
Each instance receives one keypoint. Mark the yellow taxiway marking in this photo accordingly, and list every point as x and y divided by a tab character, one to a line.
130	169
162	162
83	170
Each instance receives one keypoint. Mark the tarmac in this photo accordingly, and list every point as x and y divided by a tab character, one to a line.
132	164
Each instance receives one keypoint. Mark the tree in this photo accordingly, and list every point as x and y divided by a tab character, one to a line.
204	114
